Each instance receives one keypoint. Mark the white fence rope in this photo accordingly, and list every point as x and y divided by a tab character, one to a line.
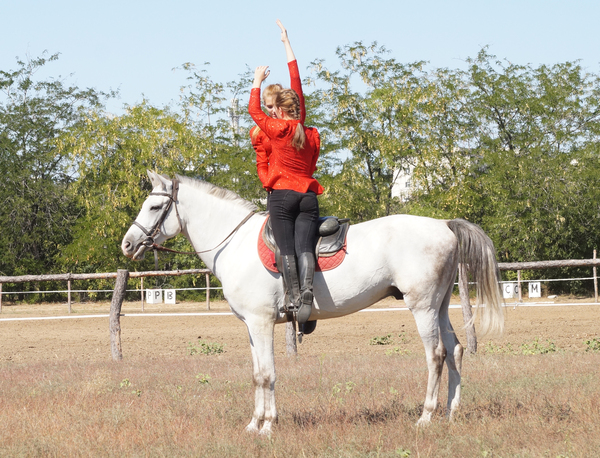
368	310
64	291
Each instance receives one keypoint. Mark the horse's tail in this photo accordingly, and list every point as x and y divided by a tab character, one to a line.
476	251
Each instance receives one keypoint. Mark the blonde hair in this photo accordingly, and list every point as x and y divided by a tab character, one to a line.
289	102
270	91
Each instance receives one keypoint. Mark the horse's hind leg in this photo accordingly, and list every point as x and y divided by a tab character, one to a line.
263	375
454	354
427	324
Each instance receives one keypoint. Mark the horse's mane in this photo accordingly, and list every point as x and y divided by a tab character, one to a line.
217	191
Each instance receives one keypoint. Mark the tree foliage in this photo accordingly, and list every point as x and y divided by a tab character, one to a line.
531	154
510	147
38	209
365	127
112	153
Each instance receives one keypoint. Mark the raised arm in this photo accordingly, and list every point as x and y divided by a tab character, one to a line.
286	42
261	73
270	126
295	82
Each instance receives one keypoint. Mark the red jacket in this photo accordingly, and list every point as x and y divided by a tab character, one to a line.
261	142
287	167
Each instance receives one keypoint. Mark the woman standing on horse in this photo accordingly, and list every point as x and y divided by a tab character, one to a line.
293	204
260	141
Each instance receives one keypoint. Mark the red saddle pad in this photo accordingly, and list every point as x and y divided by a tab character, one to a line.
324	263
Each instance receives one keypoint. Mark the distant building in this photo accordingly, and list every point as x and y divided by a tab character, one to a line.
403	184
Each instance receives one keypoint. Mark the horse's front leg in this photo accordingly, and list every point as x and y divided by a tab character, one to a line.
260	331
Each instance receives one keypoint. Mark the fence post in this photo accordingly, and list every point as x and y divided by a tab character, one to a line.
465	302
0	297
207	291
519	286
142	289
115	314
290	338
595	280
69	294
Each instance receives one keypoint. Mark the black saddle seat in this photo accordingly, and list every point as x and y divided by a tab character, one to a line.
332	235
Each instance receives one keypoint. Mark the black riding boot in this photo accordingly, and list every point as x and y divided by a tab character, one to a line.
306	269
289	271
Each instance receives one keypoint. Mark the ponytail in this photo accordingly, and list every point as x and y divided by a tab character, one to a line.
299	137
288	101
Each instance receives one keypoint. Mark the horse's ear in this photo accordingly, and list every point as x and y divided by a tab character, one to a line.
153	178
157	179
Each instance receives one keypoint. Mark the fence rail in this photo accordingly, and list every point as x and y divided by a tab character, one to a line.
123	275
536	265
68	277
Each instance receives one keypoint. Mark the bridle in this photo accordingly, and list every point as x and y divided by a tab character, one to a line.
152	233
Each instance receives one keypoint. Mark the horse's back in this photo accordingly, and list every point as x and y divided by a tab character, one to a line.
406	234
387	256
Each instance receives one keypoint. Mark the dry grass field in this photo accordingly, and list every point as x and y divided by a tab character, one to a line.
355	389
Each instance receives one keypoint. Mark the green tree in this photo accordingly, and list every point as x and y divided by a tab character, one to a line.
38	210
537	129
531	149
111	155
366	110
218	113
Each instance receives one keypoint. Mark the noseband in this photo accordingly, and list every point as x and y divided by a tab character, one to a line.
150	234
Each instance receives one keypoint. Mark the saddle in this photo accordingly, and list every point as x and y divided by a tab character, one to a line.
330	250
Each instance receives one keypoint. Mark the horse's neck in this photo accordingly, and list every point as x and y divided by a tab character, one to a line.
208	220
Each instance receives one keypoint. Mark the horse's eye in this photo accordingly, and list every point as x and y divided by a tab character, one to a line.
155	208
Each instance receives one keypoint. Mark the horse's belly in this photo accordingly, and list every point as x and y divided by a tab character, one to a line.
346	290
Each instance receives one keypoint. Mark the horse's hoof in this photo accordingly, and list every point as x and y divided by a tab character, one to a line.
265	432
425	420
450	416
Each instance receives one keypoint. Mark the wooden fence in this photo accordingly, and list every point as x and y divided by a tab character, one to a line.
123	275
463	286
538	265
104	276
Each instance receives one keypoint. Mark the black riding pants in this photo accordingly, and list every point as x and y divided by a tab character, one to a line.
294	219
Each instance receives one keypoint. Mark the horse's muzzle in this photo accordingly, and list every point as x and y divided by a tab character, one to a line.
135	252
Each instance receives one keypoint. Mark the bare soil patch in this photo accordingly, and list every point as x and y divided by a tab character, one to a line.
151	336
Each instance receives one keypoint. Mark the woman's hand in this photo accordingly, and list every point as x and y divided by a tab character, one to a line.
284	35
260	74
286	42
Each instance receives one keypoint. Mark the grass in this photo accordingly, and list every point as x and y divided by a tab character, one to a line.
201	347
514	405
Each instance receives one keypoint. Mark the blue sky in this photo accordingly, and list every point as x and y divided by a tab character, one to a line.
133	46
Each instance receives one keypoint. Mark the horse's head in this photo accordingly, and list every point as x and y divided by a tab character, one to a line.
157	221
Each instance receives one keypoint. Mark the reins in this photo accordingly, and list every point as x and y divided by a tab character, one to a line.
162	248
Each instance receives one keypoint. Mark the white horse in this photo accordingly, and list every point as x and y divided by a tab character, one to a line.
400	255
